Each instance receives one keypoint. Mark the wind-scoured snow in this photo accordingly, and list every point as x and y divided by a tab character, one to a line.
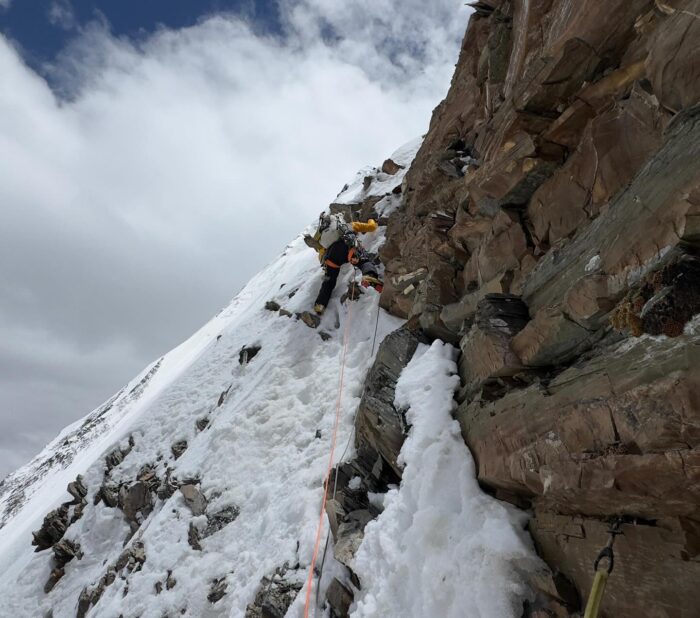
382	184
441	547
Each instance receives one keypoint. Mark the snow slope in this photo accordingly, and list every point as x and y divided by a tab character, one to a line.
260	453
441	547
264	451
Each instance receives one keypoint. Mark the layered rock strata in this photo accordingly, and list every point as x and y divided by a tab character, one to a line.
551	229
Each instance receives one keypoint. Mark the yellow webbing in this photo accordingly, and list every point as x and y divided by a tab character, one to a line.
596	596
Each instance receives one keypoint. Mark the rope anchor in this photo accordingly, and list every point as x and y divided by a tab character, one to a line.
595	597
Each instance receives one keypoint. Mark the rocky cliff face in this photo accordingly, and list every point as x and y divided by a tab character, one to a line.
550	228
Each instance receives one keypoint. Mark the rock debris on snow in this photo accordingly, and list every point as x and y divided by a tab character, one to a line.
194	499
178	448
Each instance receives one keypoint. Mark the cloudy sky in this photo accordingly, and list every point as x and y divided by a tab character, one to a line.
155	155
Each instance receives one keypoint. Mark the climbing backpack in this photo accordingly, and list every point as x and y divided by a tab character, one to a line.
332	227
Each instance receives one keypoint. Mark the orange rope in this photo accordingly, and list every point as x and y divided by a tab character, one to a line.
309	583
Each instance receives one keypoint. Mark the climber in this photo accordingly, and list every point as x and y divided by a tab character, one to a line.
337	244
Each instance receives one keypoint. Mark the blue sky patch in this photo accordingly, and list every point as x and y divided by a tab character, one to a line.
40	29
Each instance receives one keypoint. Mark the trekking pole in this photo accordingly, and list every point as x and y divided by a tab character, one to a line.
595	597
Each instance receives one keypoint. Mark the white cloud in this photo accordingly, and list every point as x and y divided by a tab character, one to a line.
61	14
5	4
176	168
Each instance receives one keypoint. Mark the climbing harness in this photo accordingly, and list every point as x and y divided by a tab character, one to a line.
601	574
309	583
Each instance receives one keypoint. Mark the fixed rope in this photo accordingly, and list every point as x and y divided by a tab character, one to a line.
309	583
347	446
595	598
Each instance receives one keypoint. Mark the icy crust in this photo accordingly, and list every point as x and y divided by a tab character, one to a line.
380	184
264	451
441	547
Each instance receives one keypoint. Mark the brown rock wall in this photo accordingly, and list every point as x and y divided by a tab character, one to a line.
616	434
656	567
561	170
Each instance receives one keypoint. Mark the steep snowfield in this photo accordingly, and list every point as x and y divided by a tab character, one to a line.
265	451
260	453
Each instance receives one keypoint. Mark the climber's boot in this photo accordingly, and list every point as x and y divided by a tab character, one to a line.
371	281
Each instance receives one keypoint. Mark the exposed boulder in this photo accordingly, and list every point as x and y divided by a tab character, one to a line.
130	560
215	522
217	590
109	494
247	354
310	319
167	486
222	397
218	520
77	489
391	168
56	522
135	500
194	499
380	430
194	537
340	598
52	529
56	575
178	448
65	550
379	424
117	455
276	593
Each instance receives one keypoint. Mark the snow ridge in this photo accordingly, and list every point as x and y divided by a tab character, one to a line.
441	547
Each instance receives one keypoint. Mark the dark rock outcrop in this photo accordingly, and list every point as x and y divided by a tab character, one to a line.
215	522
379	425
340	598
178	448
380	430
247	354
276	593
53	528
130	560
217	590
